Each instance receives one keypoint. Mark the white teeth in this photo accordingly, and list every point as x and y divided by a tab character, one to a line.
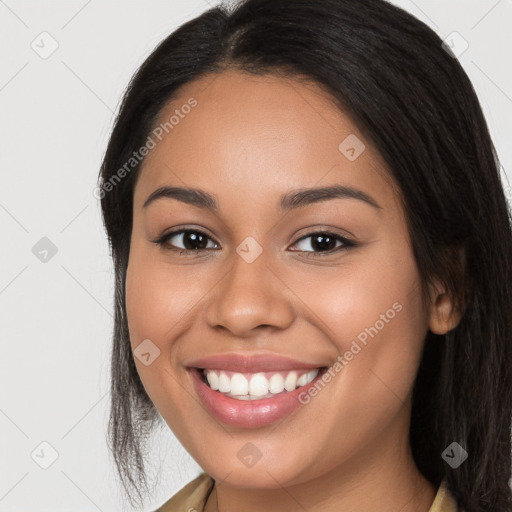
302	380
256	386
312	374
224	383
276	383
290	383
213	380
239	385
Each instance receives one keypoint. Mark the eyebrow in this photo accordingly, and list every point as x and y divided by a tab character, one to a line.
289	201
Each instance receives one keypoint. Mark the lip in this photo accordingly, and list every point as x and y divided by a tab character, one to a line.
249	413
252	363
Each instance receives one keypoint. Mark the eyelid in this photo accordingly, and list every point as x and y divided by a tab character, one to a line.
162	240
321	232
181	229
346	243
325	228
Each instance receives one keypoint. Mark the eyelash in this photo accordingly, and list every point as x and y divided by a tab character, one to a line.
162	242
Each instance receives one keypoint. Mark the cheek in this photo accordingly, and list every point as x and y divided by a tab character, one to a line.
162	304
372	312
160	301
159	297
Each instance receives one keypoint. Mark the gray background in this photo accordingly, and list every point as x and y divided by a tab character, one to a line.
56	309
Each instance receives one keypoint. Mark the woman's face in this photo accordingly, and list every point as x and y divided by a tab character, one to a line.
266	280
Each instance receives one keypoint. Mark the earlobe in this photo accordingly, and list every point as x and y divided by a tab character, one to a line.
443	316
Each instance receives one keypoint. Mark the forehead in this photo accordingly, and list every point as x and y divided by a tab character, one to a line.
258	136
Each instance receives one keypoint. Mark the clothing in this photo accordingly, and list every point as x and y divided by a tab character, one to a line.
192	497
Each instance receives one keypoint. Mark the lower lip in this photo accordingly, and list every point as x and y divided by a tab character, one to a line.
248	413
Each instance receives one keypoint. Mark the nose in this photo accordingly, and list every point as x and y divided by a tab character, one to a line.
251	295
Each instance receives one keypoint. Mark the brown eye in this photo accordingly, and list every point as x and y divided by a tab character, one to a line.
323	242
186	241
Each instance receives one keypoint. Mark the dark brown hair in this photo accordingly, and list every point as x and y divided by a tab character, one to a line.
413	101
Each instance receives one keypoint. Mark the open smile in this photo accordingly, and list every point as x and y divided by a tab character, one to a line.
252	392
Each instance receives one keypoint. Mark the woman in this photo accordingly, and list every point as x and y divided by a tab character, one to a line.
313	251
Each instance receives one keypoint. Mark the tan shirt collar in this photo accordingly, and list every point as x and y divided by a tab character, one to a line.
192	497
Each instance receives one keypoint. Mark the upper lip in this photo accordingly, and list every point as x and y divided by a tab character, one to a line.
249	363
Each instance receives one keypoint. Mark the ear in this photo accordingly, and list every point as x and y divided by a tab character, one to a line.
443	316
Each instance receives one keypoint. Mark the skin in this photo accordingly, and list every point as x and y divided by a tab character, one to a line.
249	140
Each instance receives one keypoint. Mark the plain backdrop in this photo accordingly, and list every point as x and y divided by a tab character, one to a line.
56	279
